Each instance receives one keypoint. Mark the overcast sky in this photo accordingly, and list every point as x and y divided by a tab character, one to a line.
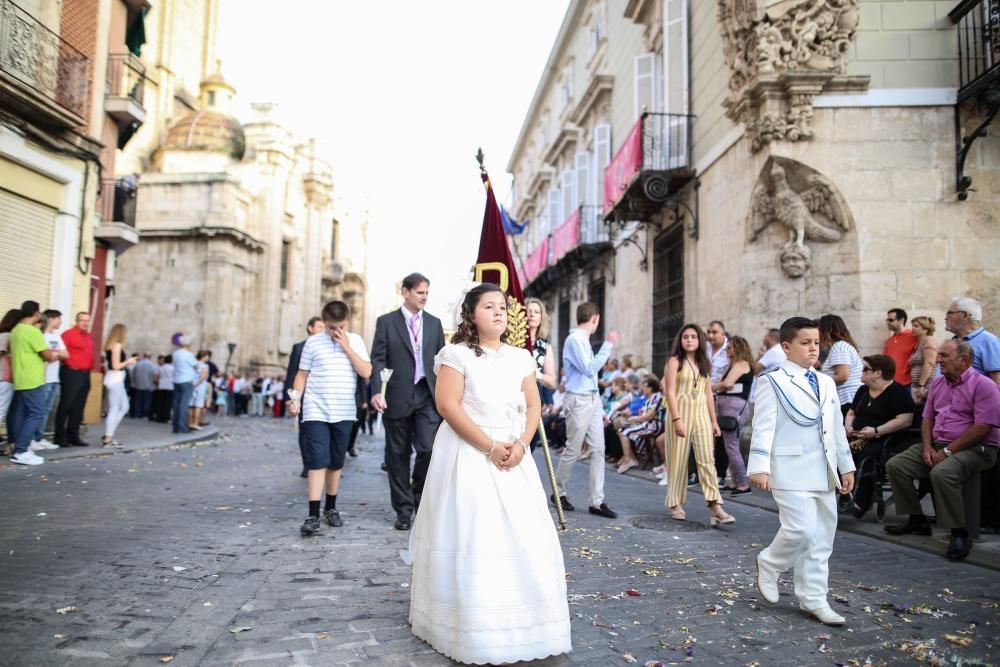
401	94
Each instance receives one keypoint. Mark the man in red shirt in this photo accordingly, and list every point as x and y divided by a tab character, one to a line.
900	345
74	379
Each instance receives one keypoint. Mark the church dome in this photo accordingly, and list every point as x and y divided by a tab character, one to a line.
207	130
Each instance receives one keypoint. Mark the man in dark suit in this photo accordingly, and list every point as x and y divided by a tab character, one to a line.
406	341
314	326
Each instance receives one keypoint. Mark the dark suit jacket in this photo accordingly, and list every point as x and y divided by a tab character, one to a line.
293	367
392	348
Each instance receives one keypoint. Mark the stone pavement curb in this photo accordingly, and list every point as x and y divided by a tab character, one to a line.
986	552
147	436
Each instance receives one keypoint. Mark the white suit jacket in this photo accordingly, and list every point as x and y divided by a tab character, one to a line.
798	458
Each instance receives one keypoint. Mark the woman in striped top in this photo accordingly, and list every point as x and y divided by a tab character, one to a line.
691	407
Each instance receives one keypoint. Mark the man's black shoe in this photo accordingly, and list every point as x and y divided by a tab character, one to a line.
333	518
959	547
81	443
304	474
911	526
310	526
403	523
604	511
352	452
564	501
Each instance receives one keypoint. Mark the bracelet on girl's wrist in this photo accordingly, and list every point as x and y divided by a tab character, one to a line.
676	419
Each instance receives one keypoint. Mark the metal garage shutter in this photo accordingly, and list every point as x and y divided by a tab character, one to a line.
27	231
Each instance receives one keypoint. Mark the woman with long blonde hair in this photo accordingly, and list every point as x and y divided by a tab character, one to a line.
541	349
114	381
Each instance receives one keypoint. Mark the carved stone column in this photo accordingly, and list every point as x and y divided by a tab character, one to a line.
782	54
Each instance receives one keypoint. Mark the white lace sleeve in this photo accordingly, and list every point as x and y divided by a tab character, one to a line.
451	356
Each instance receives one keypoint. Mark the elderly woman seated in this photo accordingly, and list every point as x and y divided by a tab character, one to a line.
649	421
880	407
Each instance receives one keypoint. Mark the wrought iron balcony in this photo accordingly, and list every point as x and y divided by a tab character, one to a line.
575	244
124	91
117	202
652	164
40	73
116	207
978	45
978	74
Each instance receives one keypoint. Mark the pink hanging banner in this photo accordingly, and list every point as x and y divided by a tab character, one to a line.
624	167
537	260
566	236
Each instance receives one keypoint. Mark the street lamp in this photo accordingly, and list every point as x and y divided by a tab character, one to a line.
232	347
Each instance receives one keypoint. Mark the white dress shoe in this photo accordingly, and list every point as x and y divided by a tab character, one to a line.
767	587
824	615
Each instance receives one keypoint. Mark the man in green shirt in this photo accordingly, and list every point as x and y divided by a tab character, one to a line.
28	354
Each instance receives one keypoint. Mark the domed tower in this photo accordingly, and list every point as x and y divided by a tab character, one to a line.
207	140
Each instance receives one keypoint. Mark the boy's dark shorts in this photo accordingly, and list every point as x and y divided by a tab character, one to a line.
323	444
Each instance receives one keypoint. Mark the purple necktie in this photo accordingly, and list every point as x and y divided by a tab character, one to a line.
414	326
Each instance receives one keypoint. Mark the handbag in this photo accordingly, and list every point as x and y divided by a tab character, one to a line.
112	377
727	423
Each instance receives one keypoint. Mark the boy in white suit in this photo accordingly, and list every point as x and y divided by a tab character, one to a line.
798	445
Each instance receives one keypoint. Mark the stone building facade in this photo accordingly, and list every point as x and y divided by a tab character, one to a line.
239	239
795	157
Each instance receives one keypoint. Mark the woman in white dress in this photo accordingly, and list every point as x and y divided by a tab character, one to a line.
489	585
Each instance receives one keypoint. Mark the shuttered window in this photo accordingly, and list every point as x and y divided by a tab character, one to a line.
675	50
27	236
583	180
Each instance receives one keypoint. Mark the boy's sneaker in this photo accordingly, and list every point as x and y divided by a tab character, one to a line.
38	445
310	526
333	518
27	458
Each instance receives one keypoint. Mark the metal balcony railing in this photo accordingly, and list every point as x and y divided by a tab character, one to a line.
978	45
117	201
652	164
126	77
41	60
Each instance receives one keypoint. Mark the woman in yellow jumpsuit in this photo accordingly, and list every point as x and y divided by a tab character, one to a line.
691	405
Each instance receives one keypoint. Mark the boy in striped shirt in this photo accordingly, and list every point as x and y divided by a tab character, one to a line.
331	362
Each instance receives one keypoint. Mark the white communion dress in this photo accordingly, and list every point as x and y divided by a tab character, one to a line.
489	584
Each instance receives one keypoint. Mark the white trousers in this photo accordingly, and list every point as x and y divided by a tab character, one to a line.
117	401
803	543
584	421
6	395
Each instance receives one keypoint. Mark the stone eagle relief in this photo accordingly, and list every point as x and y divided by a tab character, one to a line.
805	202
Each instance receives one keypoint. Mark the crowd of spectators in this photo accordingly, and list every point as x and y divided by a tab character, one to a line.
918	387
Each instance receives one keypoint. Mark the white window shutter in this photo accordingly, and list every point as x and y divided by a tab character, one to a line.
569	202
676	84
645	83
582	178
553	214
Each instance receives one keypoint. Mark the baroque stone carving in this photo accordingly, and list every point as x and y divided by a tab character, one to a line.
805	202
782	54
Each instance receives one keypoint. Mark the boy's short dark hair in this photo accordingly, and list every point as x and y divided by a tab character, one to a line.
651	382
52	312
413	280
899	314
336	311
29	308
312	320
790	328
586	311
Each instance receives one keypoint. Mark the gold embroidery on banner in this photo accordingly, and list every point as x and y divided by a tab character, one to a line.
517	323
499	267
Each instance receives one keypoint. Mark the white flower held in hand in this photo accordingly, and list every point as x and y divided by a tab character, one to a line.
383	375
294	395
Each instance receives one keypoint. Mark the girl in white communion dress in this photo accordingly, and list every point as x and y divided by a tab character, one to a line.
489	584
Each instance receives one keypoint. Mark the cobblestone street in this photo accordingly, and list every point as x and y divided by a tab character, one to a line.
191	555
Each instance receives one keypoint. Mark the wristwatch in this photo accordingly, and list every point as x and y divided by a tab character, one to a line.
876	431
947	452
